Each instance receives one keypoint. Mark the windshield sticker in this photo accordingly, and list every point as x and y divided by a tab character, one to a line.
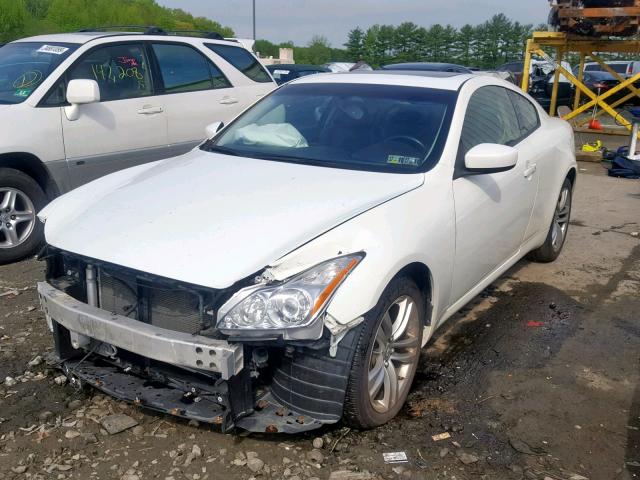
56	50
281	72
22	92
402	160
129	61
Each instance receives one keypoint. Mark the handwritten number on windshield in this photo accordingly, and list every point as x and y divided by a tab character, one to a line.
104	73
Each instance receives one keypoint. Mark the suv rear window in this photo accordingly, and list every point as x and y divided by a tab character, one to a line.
242	60
184	69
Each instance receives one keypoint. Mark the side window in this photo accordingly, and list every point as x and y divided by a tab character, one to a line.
528	118
490	118
122	71
242	60
184	69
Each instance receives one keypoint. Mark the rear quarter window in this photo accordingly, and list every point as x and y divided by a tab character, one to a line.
528	118
241	59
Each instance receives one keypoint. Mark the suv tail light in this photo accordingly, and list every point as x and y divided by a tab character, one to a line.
630	69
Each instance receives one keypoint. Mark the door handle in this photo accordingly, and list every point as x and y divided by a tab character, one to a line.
150	110
529	171
228	101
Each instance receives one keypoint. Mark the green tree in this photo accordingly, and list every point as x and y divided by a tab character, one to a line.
407	42
318	50
355	44
266	49
13	17
464	45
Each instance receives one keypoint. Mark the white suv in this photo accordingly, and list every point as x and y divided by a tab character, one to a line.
74	107
626	68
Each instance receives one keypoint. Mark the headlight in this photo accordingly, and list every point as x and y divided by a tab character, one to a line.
294	303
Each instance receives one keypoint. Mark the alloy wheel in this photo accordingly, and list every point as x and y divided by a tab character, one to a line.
394	355
17	217
561	219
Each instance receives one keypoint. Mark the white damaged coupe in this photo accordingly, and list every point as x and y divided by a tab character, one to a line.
286	273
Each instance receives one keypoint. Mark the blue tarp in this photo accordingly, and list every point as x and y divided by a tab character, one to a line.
622	167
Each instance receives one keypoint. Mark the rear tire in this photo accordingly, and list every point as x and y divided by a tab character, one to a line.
386	357
552	246
21	198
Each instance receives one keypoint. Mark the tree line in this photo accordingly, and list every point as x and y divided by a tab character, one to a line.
486	45
21	18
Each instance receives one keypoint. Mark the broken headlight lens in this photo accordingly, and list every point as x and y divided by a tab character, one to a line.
293	303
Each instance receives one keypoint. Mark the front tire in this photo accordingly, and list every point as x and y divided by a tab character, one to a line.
386	356
21	198
557	235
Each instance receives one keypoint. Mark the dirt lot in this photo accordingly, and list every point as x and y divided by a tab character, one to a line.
539	378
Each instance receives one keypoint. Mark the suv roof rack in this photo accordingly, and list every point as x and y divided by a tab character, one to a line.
152	30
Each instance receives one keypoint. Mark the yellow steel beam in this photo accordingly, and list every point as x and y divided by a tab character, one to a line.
581	45
556	82
614	73
599	100
595	100
527	65
576	101
615	104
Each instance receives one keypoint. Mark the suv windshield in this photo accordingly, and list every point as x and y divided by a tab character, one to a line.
25	65
371	127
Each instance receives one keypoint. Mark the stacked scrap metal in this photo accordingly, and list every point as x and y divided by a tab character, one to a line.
620	18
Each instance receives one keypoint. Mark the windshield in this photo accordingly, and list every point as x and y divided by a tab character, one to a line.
371	127
25	65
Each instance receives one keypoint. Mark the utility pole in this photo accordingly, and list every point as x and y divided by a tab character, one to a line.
254	19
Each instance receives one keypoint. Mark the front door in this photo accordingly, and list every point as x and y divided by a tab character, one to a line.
127	127
492	210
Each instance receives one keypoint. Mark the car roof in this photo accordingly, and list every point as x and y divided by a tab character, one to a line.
295	67
83	37
611	62
424	66
437	80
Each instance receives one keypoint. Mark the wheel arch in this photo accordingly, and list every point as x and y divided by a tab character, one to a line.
31	165
572	175
421	274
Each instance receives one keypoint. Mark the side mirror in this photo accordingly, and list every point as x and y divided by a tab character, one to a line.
213	128
489	158
79	92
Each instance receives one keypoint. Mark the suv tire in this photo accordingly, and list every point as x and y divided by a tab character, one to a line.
21	198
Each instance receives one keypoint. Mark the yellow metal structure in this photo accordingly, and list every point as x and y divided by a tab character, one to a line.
563	45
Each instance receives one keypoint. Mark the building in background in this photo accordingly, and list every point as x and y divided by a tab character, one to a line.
285	58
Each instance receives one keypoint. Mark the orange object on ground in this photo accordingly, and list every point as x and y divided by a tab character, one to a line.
594	124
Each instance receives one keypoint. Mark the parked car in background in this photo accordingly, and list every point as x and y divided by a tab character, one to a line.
541	79
76	106
427	67
285	73
287	273
626	68
599	81
502	74
341	67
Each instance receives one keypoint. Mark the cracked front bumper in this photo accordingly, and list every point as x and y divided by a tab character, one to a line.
180	374
175	348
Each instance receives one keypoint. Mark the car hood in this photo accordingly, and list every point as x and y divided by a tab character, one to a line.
211	219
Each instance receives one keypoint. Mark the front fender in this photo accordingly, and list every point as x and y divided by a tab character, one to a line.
417	227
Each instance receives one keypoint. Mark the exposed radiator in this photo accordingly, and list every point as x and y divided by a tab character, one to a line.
165	307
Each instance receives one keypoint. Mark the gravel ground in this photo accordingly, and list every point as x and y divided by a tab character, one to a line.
538	378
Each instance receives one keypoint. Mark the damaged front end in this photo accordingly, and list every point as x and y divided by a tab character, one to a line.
186	351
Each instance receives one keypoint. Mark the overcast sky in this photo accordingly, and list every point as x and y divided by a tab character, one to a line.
299	20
